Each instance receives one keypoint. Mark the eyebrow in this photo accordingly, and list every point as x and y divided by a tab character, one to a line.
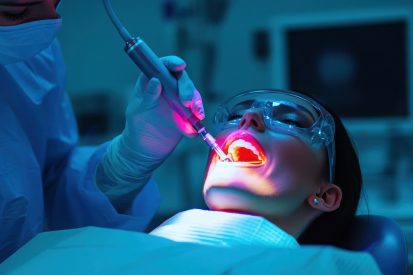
13	4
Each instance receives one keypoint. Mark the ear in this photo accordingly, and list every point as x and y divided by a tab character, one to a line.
327	199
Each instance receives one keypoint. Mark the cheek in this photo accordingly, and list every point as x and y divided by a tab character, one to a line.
297	165
297	156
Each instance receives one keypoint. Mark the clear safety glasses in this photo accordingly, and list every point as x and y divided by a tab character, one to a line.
284	112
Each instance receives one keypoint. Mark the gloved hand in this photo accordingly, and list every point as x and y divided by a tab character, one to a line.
152	131
151	125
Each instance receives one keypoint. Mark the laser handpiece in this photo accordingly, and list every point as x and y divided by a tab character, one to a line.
150	64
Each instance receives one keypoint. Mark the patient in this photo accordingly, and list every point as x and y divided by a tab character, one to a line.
294	176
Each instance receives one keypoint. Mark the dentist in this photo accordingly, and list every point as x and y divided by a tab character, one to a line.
47	181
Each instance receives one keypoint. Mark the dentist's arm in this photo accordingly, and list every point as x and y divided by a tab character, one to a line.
151	133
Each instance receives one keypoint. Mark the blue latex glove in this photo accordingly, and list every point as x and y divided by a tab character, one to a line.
152	131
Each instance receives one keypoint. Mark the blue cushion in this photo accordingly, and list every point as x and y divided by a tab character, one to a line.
383	238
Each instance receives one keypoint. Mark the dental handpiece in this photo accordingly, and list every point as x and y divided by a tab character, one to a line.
150	65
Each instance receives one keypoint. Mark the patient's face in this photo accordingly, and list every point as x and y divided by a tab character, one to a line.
272	174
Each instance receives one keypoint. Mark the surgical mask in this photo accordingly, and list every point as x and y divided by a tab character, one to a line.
283	112
21	42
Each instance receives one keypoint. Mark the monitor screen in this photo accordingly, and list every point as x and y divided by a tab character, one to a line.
359	66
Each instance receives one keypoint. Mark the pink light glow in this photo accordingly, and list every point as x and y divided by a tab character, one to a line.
245	172
183	124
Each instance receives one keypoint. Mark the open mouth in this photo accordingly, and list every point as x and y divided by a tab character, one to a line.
244	149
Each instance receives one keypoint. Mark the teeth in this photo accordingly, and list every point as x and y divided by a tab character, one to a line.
244	144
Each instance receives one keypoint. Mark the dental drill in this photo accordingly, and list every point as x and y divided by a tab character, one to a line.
150	64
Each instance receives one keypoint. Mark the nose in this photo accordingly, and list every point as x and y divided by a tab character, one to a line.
252	119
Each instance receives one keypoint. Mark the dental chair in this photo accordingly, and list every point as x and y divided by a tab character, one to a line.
383	238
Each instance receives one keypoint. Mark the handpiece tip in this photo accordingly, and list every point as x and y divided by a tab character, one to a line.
226	159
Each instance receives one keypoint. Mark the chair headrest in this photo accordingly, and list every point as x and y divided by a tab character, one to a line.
383	238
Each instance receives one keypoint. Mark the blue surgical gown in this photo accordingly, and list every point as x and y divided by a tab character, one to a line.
46	180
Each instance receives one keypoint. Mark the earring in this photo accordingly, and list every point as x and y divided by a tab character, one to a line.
315	201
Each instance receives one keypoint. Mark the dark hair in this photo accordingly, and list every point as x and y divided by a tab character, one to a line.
330	228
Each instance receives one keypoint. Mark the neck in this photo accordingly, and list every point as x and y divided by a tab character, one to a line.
296	222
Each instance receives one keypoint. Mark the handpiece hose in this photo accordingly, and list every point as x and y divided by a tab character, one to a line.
150	65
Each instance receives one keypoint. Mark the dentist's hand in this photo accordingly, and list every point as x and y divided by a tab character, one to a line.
151	133
152	128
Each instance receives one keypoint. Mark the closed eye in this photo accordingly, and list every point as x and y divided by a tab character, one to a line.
234	117
291	122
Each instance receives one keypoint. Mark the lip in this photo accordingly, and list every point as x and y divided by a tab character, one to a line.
248	141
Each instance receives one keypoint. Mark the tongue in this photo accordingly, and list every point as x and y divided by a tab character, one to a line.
242	154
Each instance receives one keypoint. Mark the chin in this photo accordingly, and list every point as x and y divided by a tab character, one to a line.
252	180
236	200
231	199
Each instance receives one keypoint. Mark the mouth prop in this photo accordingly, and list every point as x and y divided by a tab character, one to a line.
244	150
